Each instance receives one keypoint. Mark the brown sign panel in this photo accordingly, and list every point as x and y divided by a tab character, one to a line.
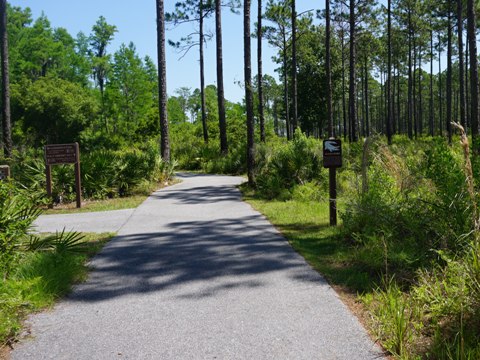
332	153
4	172
61	154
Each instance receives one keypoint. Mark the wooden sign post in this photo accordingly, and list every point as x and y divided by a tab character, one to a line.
56	154
332	159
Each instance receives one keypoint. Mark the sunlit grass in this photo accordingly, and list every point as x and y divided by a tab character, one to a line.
120	203
306	227
39	280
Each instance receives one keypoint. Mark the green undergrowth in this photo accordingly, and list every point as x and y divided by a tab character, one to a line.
39	279
407	243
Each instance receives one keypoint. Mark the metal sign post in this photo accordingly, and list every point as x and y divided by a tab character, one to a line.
332	159
63	154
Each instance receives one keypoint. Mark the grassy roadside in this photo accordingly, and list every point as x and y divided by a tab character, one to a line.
127	202
306	227
41	279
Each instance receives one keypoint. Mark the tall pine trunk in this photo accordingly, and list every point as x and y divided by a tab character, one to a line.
389	74
472	40
202	76
461	70
410	105
449	77
352	85
420	92
431	110
285	88
344	102
6	118
248	92
261	114
440	90
294	69
328	69
162	83
222	122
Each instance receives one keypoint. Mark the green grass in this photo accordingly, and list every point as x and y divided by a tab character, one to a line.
40	279
129	202
306	227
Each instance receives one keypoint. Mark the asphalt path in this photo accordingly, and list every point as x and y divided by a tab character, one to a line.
195	273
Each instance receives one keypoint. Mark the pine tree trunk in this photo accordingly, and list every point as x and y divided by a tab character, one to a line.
222	122
420	93
410	105
261	114
285	87
467	91
461	73
431	110
328	69
440	90
414	86
352	85
162	83
449	78
202	76
344	102
472	40
294	69
6	117
389	75
367	108
248	93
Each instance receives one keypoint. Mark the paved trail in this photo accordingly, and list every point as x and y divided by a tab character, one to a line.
195	273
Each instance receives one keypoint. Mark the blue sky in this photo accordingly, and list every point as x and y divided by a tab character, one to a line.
136	22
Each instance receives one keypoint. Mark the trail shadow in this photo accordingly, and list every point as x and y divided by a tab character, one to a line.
200	195
207	256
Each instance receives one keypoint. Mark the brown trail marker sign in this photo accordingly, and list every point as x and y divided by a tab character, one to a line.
4	172
332	159
56	154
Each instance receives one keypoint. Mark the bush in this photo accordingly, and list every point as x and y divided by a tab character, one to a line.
284	166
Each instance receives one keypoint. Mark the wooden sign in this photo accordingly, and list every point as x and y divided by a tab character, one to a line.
332	153
56	154
4	172
61	154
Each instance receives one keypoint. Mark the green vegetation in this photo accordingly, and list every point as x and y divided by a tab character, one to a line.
407	244
40	278
35	270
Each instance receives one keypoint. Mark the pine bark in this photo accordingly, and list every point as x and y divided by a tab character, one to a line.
248	93
389	75
261	114
461	70
222	122
328	70
449	78
294	69
472	40
162	83
202	74
352	85
6	117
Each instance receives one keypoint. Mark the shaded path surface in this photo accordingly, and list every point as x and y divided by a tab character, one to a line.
195	273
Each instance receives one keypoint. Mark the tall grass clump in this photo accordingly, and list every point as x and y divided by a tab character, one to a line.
428	303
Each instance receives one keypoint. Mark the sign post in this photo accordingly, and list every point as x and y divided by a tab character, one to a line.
56	154
332	159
